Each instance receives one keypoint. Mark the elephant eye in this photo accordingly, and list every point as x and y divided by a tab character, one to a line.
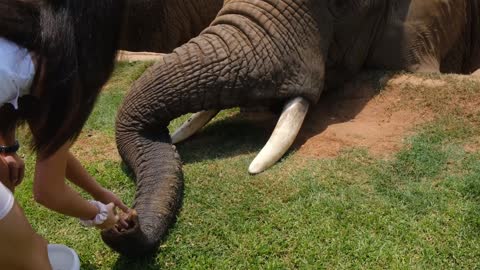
339	8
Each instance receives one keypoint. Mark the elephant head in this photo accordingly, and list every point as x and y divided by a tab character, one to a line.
254	53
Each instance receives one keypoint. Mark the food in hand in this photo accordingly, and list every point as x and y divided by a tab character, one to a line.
126	220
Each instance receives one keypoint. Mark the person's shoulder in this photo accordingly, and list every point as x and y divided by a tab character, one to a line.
8	50
17	70
9	90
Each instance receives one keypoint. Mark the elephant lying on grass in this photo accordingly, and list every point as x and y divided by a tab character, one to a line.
270	51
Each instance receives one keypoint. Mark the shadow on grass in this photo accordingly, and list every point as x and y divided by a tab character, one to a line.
247	133
146	263
226	138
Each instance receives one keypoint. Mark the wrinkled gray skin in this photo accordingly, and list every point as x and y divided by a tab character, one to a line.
163	25
160	26
261	52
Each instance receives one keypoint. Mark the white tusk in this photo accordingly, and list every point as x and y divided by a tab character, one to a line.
192	125
283	136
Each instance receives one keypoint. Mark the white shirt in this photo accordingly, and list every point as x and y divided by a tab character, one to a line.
6	201
16	72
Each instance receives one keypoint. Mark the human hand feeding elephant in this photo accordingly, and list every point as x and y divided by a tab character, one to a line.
270	51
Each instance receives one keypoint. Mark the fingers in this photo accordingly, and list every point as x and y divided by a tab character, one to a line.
16	169
5	173
112	218
21	172
111	207
108	197
122	206
13	169
120	218
123	223
21	175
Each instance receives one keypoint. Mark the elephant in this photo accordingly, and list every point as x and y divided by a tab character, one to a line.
163	25
264	52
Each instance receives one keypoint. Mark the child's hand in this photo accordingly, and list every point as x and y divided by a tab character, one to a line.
12	170
127	220
106	196
112	218
5	174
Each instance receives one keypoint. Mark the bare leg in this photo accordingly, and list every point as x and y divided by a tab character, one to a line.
20	247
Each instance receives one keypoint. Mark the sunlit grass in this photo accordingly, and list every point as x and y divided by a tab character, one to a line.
418	209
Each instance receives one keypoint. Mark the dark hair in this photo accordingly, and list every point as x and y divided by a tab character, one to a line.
19	21
76	41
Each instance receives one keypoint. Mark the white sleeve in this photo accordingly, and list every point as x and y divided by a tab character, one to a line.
9	90
16	72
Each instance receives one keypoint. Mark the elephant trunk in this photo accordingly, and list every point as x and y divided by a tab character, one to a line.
158	172
166	90
237	61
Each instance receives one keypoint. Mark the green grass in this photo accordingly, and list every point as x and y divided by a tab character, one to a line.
419	209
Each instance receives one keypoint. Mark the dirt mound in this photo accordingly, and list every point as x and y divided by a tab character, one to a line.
369	113
377	111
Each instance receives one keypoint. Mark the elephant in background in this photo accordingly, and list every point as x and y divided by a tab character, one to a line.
263	52
163	25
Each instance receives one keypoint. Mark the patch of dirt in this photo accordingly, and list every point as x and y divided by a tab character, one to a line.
473	145
138	56
95	147
359	115
403	80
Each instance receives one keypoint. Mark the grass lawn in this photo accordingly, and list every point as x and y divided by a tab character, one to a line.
419	208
